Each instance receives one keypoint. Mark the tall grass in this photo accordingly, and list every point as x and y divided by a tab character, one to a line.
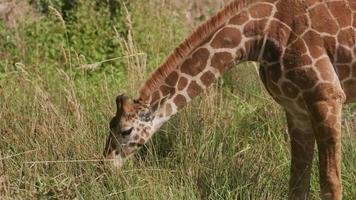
58	82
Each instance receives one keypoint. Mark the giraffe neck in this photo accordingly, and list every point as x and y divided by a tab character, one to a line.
232	39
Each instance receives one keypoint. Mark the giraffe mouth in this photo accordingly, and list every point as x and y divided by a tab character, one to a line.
116	159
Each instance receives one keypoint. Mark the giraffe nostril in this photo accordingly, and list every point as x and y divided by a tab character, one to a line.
109	156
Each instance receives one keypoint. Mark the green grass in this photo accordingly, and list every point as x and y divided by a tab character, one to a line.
230	143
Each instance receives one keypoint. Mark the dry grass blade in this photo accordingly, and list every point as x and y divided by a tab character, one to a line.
136	64
67	161
94	66
18	154
130	189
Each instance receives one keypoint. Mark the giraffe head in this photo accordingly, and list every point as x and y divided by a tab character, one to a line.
132	126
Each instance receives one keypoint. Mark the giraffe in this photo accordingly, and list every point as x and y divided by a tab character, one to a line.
307	55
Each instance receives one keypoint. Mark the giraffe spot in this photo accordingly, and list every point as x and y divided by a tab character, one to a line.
254	28
301	103
196	64
145	133
325	69
354	70
166	90
298	48
227	38
347	37
349	88
341	12
207	78
209	38
320	16
287	10
343	55
293	60
279	32
155	96
301	24
330	46
332	120
323	92
304	78
180	101
221	61
320	111
308	97
172	79
343	71
309	3
274	72
354	20
274	89
260	10
142	141
352	5
154	106
239	19
182	83
271	52
314	43
289	90
194	89
168	109
136	137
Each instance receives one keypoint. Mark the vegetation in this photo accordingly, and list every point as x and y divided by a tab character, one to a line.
59	77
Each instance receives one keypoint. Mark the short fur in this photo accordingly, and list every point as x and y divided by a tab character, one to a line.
193	41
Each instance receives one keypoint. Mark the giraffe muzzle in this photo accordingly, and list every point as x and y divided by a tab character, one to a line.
115	159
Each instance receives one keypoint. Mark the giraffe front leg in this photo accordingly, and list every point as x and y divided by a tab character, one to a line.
302	151
326	119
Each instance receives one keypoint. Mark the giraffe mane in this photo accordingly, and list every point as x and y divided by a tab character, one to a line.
202	33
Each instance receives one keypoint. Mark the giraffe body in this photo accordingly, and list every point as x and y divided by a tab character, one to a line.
307	52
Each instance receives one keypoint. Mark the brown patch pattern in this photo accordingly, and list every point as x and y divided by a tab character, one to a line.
196	64
194	89
290	90
227	38
260	10
341	12
221	60
320	16
182	83
239	19
172	79
180	101
303	78
207	78
325	68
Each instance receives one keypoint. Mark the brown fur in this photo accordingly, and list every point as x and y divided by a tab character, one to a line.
193	41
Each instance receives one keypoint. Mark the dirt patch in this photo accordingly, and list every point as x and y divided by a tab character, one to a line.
13	12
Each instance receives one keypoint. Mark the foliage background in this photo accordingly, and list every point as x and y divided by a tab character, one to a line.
62	65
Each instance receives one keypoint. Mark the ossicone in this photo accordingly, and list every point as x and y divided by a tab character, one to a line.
120	101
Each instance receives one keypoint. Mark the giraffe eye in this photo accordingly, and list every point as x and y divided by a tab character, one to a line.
127	132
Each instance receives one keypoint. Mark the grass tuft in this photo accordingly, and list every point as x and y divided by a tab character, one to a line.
59	77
